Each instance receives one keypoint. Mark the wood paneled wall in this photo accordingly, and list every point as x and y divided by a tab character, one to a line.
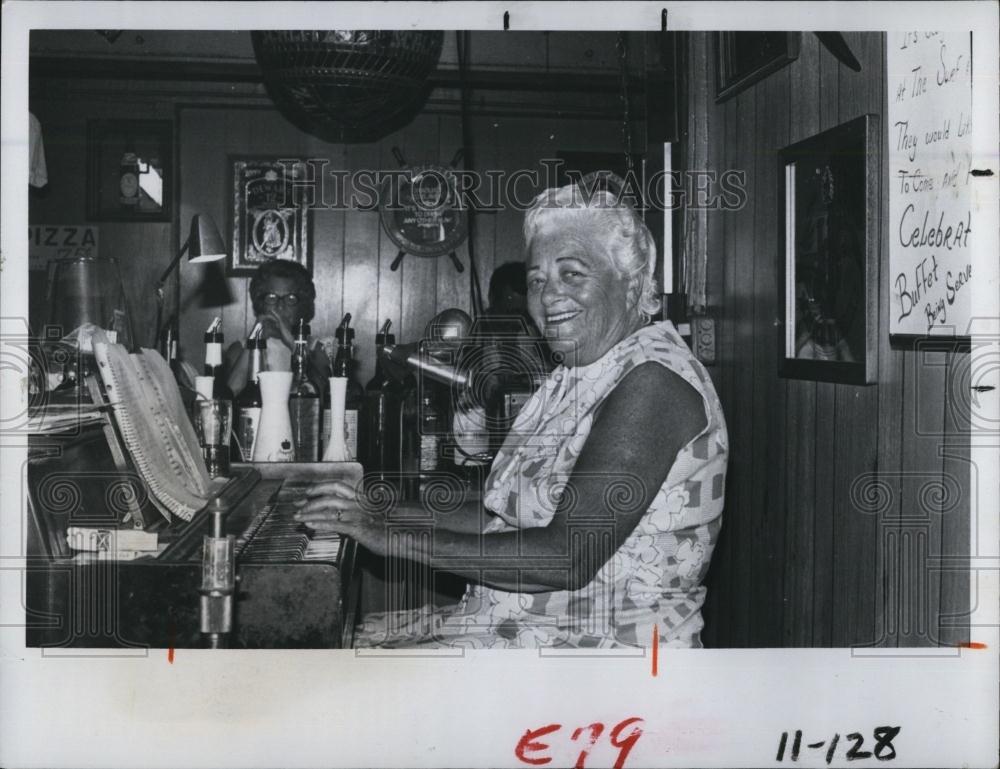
351	252
841	500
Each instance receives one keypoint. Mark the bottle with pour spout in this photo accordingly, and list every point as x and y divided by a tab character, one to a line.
214	341
303	401
379	438
249	402
212	386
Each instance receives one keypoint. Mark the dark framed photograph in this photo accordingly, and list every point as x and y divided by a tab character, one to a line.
828	254
744	58
129	170
267	220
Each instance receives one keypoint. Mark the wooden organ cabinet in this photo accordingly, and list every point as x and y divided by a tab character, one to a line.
293	590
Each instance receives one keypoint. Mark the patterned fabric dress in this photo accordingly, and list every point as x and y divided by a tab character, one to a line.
655	576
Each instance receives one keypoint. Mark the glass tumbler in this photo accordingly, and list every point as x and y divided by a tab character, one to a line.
213	421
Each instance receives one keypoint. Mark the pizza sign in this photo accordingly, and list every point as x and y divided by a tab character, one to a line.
60	241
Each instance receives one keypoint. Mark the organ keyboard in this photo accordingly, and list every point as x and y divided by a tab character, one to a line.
294	587
275	535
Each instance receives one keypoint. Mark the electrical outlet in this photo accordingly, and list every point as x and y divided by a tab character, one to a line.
703	339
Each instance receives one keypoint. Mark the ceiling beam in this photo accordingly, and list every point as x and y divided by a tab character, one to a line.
41	66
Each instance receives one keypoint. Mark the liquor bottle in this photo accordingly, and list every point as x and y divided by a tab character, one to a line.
216	389
303	401
343	366
428	441
379	438
248	403
214	339
430	431
410	448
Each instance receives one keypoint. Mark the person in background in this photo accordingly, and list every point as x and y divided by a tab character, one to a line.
603	506
282	293
508	297
507	347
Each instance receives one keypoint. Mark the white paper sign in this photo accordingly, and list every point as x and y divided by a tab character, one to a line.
930	159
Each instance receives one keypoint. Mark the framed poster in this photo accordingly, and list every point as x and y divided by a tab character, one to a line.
129	170
744	58
828	254
267	220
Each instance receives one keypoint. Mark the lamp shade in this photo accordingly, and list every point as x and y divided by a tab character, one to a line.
204	243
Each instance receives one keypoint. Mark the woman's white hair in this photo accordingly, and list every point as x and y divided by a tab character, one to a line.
627	239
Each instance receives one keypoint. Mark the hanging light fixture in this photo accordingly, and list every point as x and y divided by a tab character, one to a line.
348	85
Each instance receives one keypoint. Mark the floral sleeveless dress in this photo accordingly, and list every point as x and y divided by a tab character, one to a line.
654	579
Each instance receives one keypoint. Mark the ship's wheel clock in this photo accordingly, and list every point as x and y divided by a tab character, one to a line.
422	212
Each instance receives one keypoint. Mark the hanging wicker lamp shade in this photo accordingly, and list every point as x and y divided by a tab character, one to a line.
348	85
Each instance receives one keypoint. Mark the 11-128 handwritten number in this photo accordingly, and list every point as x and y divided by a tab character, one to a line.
884	750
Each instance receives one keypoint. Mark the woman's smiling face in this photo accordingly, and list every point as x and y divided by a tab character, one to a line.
575	293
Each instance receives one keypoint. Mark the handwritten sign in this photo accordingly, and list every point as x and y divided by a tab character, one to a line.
930	204
60	241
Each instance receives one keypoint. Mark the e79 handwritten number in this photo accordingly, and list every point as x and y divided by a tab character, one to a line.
883	750
531	750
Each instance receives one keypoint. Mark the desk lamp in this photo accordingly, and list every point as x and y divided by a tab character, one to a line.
204	244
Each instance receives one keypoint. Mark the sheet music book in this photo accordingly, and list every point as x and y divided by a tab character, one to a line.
150	415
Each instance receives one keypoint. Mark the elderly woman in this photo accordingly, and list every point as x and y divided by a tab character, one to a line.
604	503
282	293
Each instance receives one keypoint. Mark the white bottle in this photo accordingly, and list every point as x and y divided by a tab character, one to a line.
274	442
336	444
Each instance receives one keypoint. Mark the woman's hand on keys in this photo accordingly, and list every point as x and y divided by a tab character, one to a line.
342	508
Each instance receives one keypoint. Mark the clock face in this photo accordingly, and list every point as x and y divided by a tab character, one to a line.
129	185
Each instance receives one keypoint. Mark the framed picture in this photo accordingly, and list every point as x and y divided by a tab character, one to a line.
130	175
267	220
828	254
743	58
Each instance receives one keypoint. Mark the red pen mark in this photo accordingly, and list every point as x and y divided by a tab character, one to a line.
172	633
595	732
626	744
528	743
656	649
971	645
